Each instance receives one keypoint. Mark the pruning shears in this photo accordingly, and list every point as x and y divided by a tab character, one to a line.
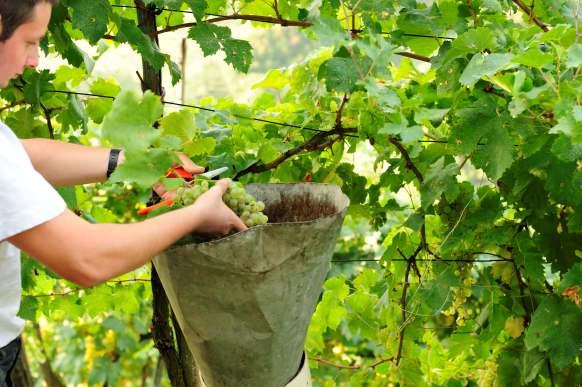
177	171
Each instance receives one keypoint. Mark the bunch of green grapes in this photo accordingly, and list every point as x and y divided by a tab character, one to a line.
461	295
487	375
236	197
514	326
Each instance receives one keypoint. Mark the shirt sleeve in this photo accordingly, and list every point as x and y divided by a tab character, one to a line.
26	198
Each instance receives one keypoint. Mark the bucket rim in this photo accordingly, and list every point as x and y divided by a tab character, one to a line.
261	227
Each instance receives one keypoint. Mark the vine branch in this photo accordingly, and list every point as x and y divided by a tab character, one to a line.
256	18
409	266
11	105
409	164
272	20
49	123
319	142
531	15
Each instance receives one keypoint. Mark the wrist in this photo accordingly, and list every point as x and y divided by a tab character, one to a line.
121	157
193	217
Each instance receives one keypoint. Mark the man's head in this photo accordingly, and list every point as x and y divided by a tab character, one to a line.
23	23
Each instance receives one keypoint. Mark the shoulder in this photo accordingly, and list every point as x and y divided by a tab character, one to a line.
11	149
7	134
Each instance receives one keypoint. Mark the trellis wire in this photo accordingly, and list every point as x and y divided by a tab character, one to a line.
283	124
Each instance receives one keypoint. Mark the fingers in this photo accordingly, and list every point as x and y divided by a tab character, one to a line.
222	186
239	225
160	189
188	164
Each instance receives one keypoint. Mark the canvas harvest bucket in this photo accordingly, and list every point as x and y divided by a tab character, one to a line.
244	302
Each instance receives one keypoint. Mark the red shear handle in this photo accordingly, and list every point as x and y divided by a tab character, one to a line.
178	171
175	171
163	203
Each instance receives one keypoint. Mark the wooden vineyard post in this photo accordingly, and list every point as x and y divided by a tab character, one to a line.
168	337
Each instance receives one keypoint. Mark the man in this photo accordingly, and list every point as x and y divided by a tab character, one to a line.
34	218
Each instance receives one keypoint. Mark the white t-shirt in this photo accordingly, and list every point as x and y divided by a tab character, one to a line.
26	200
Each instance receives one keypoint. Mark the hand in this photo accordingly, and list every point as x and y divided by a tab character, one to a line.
215	216
188	165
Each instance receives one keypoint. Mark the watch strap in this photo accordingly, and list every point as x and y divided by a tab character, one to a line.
113	159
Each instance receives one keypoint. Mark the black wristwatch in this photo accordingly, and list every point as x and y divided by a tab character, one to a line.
113	158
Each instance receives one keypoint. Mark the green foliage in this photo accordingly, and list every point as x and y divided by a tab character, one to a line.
212	38
464	175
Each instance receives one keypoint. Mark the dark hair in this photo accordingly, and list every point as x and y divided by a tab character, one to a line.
14	13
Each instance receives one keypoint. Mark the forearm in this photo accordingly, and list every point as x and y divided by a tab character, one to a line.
88	254
130	246
64	164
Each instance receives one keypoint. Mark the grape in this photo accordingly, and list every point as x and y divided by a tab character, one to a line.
514	326
459	308
236	197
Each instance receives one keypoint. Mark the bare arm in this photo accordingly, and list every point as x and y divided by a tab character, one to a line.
63	164
88	254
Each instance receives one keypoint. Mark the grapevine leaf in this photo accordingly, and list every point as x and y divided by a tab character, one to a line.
337	287
37	83
471	123
574	56
555	329
530	365
103	215
565	150
64	44
529	258
180	124
366	279
175	71
68	195
198	8
79	109
328	31
534	57
239	54
208	37
497	155
408	134
129	124
340	74
267	153
483	65
473	41
97	301
212	38
572	278
91	20
97	108
28	308
130	32
200	146
353	183
372	6
437	293
387	98
143	168
275	79
437	180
